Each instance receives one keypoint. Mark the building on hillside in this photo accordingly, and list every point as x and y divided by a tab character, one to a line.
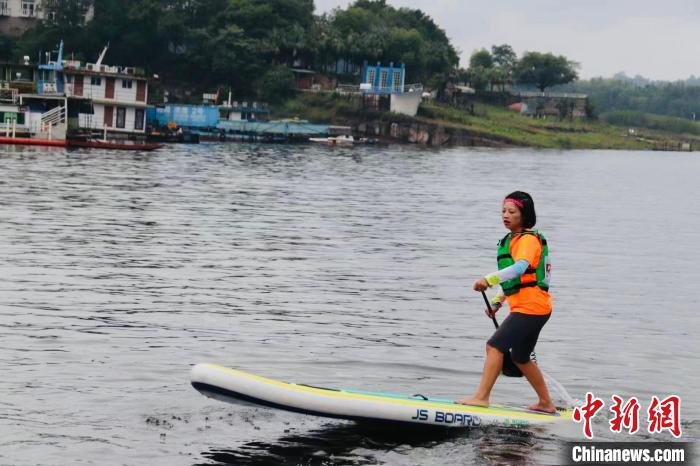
18	16
379	81
309	80
559	104
341	67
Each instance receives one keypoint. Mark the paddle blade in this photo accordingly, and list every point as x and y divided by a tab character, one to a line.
509	368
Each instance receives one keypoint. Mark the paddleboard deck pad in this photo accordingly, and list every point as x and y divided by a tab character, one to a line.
238	387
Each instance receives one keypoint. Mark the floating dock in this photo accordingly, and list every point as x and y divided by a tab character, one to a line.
238	124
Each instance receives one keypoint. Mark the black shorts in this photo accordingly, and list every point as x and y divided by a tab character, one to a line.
518	334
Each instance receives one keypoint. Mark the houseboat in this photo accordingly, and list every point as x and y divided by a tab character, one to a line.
113	98
68	100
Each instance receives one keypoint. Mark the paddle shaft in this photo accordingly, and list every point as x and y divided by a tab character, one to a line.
488	306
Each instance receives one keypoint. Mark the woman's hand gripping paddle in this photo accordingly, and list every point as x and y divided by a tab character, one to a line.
509	368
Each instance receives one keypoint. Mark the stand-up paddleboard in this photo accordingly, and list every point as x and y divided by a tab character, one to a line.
239	387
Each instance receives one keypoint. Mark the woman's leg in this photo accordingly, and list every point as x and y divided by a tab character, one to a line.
498	345
521	357
534	376
492	368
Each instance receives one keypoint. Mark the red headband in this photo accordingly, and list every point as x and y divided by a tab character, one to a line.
514	201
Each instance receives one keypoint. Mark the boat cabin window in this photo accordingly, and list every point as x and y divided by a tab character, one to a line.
126	83
121	117
138	121
21	75
28	9
96	81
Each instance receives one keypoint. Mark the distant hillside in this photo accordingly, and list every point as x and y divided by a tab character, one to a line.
493	125
667	124
621	93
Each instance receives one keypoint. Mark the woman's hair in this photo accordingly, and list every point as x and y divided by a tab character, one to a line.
528	207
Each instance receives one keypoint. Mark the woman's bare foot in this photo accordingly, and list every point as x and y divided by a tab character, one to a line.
474	401
544	407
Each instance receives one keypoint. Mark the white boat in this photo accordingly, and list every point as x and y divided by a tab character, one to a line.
343	139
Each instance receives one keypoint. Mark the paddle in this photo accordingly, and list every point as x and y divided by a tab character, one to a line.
509	368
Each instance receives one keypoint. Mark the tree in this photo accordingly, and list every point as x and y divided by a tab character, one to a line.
67	14
374	31
204	44
481	70
277	84
481	58
505	60
6	47
545	70
504	56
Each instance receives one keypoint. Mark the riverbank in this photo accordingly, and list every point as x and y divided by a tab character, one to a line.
481	125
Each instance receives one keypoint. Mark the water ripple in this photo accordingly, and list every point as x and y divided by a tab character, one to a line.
329	266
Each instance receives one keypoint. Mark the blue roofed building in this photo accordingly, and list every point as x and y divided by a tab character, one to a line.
381	83
378	79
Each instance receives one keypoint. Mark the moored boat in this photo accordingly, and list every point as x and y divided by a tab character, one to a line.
334	140
92	144
33	141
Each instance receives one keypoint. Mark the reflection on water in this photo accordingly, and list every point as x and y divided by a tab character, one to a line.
358	444
338	267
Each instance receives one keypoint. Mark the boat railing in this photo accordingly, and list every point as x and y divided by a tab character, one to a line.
348	88
9	95
11	128
416	87
367	89
54	116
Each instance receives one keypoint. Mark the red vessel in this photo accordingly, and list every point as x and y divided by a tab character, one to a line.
78	143
34	142
114	145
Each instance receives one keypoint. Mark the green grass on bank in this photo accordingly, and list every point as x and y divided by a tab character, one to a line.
547	133
663	123
488	121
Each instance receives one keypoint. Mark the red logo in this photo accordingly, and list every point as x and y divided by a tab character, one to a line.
665	415
587	412
626	416
662	414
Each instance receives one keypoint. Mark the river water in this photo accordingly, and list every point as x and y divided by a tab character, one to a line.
338	267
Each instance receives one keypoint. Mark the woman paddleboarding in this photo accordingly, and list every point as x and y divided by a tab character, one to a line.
523	274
